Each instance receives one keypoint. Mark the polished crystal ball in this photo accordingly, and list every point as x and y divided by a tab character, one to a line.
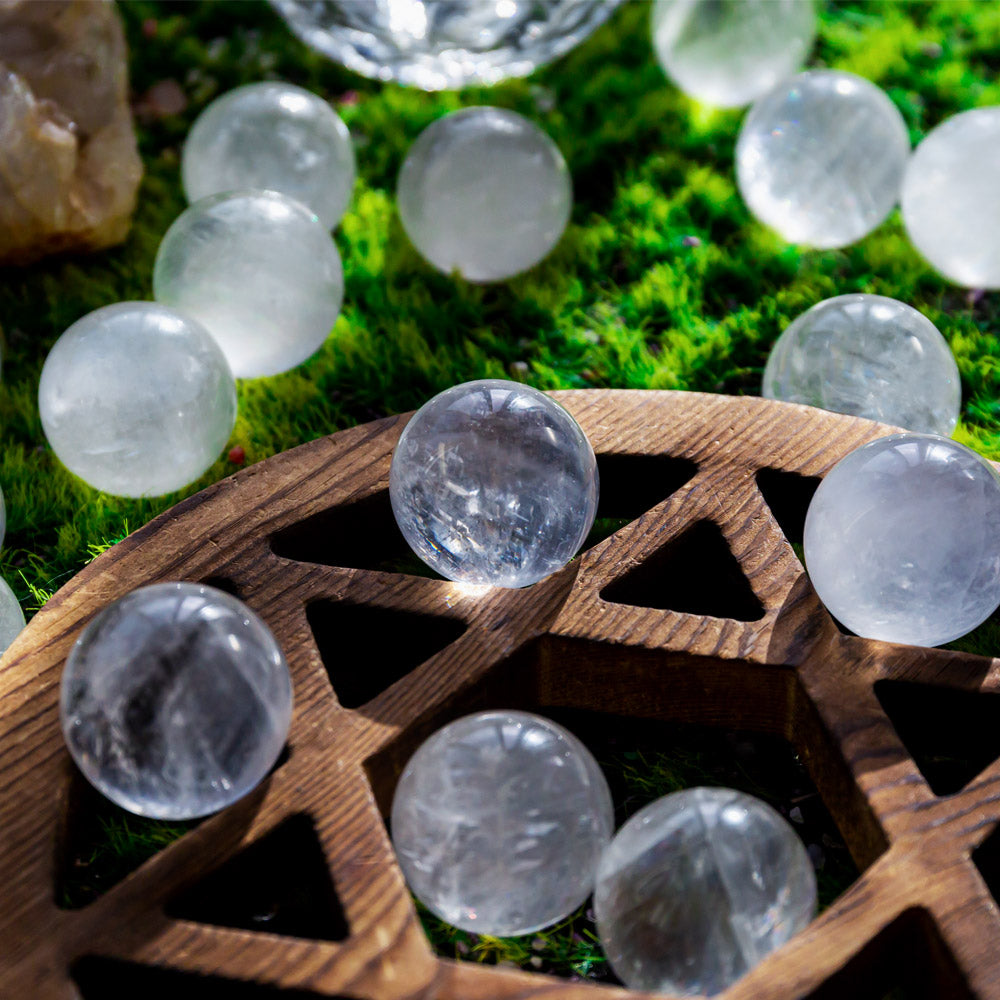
275	136
259	271
697	888
494	482
443	44
485	193
176	701
498	821
820	158
729	52
951	200
11	616
136	399
869	356
902	540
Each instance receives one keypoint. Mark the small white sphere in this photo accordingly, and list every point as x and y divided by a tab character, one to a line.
137	400
259	271
902	540
274	136
951	199
11	616
484	192
820	158
498	821
697	888
869	356
494	482
729	52
176	701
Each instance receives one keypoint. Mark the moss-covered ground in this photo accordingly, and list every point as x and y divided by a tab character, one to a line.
662	281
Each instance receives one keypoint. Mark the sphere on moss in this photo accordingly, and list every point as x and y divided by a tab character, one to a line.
11	616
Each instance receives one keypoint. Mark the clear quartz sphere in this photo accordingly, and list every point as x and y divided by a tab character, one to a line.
136	399
729	52
176	701
820	158
869	356
484	192
443	44
259	271
11	616
951	201
498	821
274	136
697	888
494	482
902	540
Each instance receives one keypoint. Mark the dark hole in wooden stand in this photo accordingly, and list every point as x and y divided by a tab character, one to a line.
788	496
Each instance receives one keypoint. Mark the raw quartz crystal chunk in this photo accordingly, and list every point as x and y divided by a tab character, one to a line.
69	166
869	356
698	887
443	44
485	193
729	52
176	701
11	616
493	482
498	821
274	136
820	158
951	200
902	540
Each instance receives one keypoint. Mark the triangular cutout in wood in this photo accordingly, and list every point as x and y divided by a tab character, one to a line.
279	884
788	495
694	573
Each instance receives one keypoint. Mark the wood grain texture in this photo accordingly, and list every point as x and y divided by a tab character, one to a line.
920	908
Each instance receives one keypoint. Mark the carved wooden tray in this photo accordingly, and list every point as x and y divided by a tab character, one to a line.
296	536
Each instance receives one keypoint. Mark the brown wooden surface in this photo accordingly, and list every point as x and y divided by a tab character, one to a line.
920	910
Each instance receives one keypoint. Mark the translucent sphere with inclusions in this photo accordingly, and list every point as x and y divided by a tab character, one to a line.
259	271
869	356
729	52
275	136
697	888
494	482
136	399
951	200
498	821
485	193
176	701
820	158
11	616
902	540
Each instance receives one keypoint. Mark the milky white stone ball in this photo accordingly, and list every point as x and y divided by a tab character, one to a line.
484	192
259	271
275	136
11	616
494	482
869	356
697	888
902	540
136	399
498	821
820	158
951	199
176	701
729	52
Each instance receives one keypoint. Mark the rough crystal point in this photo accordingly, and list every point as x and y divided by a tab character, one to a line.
698	887
869	356
69	166
176	701
11	616
902	540
494	482
498	821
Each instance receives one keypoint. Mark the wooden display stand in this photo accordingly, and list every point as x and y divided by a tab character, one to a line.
296	537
